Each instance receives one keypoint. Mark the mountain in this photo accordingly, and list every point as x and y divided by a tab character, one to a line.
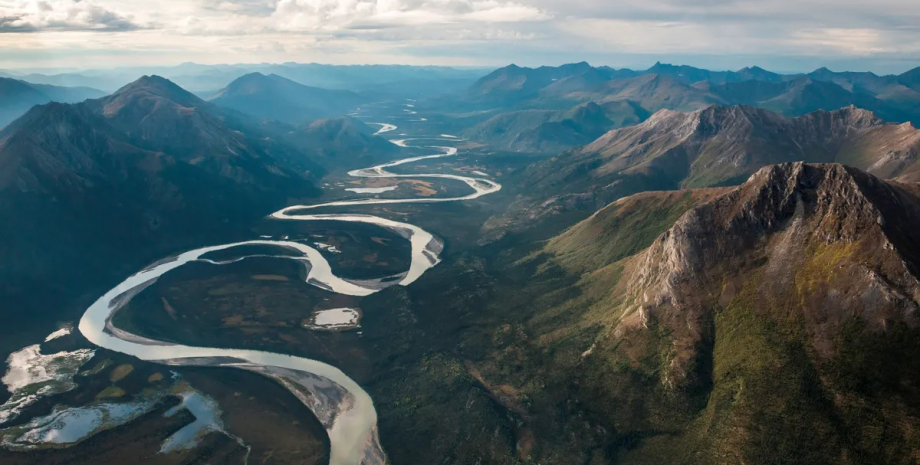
689	74
756	73
107	185
652	92
720	145
911	79
553	131
548	87
17	97
852	81
275	97
585	78
513	84
800	96
344	143
716	146
776	322
573	110
156	114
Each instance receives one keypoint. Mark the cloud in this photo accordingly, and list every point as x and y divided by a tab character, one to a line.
484	31
326	15
61	15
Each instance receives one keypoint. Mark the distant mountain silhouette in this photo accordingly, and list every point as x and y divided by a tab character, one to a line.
275	97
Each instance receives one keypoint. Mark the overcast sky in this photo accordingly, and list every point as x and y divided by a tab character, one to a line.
783	35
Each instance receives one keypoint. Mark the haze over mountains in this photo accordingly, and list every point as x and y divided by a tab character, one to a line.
17	97
384	79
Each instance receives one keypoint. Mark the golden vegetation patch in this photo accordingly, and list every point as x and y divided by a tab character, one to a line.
155	378
269	277
227	289
235	320
822	266
120	372
111	392
424	190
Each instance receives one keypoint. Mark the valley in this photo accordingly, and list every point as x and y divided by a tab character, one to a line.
626	284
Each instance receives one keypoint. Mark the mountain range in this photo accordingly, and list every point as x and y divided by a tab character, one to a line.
715	146
506	93
387	80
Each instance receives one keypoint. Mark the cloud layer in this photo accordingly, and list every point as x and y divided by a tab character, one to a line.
618	32
61	15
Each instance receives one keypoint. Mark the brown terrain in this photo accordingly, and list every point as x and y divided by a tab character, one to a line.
776	322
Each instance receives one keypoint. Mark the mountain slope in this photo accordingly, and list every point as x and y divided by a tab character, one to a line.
513	85
17	97
155	114
775	323
553	131
717	146
108	185
801	96
342	143
756	73
652	92
911	79
275	97
723	144
689	74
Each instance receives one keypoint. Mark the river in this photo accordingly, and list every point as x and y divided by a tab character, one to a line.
342	406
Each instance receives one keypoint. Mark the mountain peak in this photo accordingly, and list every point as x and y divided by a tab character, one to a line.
580	66
154	86
807	208
247	83
149	81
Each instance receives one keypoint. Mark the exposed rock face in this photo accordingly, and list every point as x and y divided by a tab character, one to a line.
721	145
774	322
778	225
714	147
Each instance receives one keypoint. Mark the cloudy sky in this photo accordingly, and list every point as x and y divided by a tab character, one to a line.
784	35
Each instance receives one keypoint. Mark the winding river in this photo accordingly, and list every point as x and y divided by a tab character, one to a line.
342	406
